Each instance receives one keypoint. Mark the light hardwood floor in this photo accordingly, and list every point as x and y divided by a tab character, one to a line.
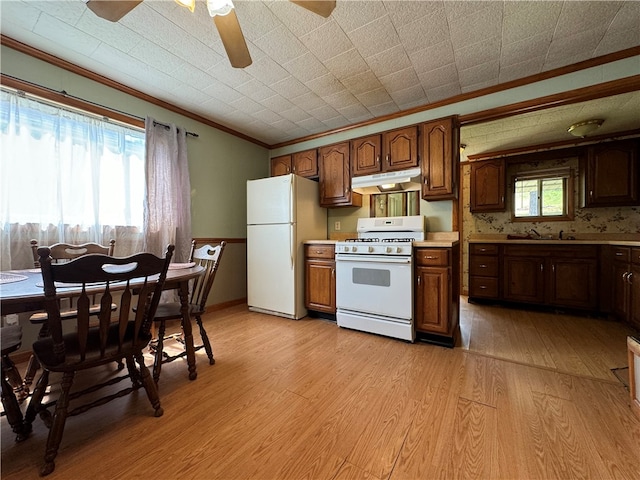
525	396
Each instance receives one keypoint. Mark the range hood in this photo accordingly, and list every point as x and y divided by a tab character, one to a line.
389	182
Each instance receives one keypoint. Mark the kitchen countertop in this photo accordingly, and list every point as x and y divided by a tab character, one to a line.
630	240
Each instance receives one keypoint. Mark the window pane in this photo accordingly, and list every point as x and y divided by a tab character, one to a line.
553	196
526	198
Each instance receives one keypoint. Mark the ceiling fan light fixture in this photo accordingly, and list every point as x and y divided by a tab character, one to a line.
582	129
190	4
219	7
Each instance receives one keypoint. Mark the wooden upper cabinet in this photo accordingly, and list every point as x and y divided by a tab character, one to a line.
488	186
365	155
400	148
335	177
440	154
281	165
612	173
305	163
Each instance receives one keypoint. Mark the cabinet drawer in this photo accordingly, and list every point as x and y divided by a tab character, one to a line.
483	249
319	251
431	257
483	287
635	256
622	254
483	265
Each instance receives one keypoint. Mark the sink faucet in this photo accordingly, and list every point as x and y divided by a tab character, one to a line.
560	235
533	230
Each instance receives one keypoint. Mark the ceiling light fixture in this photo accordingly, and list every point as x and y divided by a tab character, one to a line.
219	7
190	4
582	129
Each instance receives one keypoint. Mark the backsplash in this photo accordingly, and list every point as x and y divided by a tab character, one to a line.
609	220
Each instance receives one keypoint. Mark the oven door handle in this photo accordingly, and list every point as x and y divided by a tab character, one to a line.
341	257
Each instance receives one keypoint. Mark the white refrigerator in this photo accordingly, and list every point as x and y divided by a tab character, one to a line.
282	213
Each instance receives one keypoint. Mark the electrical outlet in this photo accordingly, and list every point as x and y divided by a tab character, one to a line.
336	226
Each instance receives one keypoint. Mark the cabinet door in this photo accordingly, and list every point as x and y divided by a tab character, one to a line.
612	174
487	186
320	286
365	155
433	300
523	279
400	148
573	283
439	153
305	163
335	177
280	165
634	291
620	300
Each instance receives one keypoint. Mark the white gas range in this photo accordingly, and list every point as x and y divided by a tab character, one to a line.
374	276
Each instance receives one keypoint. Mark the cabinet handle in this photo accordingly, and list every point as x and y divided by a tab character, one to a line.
388	159
553	267
624	276
378	160
591	193
542	267
482	266
333	272
418	280
630	278
619	254
318	251
483	287
426	180
429	257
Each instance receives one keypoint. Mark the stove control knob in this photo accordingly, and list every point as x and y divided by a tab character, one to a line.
354	249
389	249
398	249
370	249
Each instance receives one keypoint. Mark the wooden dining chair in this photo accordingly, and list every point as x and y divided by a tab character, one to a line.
89	347
62	253
208	257
11	341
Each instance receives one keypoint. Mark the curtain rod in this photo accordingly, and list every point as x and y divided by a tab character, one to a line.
155	123
111	109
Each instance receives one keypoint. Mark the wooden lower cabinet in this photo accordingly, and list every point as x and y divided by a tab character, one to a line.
437	294
320	278
547	275
625	304
552	275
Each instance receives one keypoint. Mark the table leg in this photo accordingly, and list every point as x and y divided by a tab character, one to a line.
183	291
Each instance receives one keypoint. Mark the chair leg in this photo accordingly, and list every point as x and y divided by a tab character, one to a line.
57	427
32	368
205	340
12	409
35	404
157	361
134	374
149	386
12	375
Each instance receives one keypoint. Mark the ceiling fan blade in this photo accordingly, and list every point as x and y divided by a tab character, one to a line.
112	10
321	7
233	39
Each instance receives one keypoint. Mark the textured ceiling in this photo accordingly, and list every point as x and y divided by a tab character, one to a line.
310	74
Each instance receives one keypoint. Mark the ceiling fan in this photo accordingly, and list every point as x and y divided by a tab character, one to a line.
224	16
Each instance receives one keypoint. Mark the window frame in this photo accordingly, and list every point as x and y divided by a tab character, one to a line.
568	177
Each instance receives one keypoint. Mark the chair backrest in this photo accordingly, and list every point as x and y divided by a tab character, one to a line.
142	274
64	252
208	257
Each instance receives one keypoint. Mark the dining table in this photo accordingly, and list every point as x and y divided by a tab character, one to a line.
23	291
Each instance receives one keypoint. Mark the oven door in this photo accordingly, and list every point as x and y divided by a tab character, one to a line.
375	284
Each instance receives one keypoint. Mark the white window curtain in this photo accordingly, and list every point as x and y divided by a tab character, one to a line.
66	177
167	212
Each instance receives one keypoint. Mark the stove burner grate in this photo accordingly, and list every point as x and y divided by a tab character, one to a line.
362	240
399	240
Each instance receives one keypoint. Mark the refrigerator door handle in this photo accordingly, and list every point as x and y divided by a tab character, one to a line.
291	201
291	245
